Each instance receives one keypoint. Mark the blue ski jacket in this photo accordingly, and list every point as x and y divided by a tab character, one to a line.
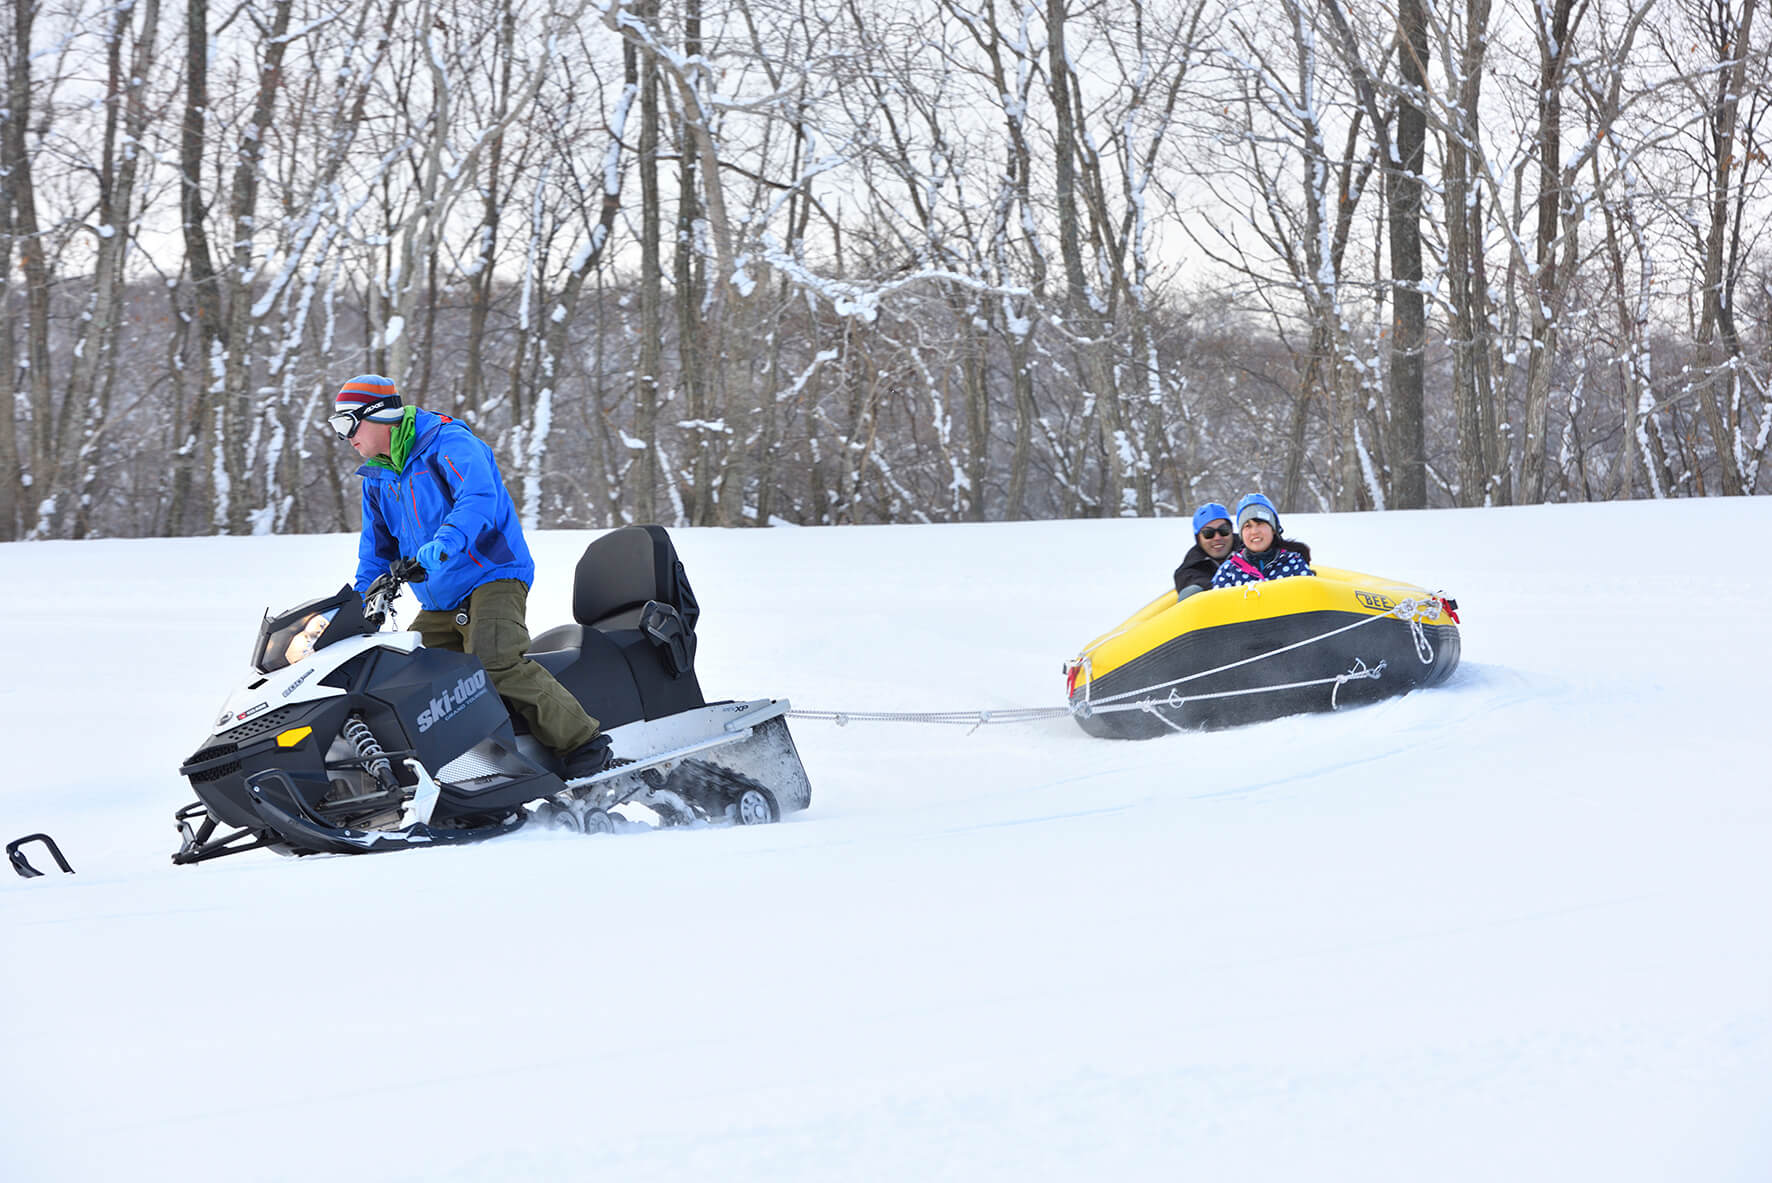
448	488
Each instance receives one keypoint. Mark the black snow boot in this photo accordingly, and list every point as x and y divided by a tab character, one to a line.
588	759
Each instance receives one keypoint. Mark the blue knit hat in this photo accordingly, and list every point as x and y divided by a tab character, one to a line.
371	397
1209	512
1254	505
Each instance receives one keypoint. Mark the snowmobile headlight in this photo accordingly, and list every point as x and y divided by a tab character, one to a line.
293	736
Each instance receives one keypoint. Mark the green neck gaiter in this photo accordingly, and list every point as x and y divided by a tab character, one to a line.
400	441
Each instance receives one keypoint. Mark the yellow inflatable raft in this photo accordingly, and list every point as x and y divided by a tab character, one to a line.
1234	655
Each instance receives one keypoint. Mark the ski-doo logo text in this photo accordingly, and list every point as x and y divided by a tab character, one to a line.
451	701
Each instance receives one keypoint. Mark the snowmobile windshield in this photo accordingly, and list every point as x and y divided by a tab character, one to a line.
291	636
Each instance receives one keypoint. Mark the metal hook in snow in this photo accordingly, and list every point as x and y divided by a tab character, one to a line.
23	866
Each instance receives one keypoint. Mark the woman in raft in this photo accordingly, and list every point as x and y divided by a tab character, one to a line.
1264	554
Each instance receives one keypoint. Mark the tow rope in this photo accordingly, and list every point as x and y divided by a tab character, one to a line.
976	719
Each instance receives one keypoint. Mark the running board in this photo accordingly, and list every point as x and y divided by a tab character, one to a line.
744	719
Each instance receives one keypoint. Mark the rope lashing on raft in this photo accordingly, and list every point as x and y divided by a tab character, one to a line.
1413	610
1423	647
1359	673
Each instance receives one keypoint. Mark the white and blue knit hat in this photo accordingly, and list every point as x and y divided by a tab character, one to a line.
1257	508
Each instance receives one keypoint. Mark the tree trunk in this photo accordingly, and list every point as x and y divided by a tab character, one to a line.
480	284
651	350
421	376
1407	446
1547	283
491	199
1719	346
562	309
1481	471
695	332
1015	198
14	118
12	489
203	286
975	378
40	468
1631	307
754	425
94	374
1083	322
244	415
1345	411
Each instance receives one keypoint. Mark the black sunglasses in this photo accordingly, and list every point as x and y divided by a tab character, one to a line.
1216	532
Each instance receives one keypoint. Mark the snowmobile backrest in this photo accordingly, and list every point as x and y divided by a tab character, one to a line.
623	571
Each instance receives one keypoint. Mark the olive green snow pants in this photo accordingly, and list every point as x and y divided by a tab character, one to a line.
494	632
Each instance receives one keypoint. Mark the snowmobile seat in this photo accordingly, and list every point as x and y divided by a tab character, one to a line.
618	576
631	653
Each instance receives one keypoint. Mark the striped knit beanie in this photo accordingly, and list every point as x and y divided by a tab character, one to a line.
369	396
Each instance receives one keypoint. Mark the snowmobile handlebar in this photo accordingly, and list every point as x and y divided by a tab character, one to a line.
379	596
407	570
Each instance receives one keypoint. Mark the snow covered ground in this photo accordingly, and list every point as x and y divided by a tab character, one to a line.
1513	928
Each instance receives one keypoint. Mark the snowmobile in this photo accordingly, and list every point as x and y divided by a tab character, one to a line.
351	737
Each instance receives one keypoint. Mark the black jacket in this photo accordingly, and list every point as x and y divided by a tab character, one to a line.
1196	570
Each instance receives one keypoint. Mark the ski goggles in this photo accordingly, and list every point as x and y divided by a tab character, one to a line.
345	423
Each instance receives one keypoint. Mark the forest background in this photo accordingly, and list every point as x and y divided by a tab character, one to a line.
904	260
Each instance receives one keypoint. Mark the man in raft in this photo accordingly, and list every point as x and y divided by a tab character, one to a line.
1213	538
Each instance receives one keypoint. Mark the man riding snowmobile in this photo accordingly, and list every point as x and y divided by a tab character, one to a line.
432	489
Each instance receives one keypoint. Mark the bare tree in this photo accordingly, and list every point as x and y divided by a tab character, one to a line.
93	376
595	209
33	249
1553	253
1728	35
202	316
651	283
1483	471
1403	150
1305	198
242	416
1404	193
15	44
1084	305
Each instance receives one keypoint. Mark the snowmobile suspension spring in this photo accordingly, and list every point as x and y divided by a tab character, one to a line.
369	750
